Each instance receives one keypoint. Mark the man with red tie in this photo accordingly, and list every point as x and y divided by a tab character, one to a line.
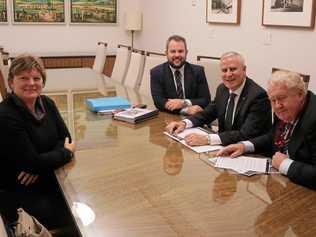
292	140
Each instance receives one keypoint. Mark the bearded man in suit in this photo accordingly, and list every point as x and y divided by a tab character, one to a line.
176	85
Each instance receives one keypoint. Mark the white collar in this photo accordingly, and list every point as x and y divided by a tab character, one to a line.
181	69
239	89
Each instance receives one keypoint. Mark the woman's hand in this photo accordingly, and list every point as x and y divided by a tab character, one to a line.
27	178
69	145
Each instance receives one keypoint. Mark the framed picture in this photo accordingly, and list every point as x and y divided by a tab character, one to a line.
295	13
3	11
93	11
223	11
38	11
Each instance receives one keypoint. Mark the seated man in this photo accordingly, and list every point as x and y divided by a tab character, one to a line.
176	85
292	140
241	107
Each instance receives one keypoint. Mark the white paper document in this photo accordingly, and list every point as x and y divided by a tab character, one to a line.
199	149
242	164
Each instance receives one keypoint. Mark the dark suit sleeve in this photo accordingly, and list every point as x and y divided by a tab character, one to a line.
202	97
257	121
156	86
303	172
61	127
264	144
204	117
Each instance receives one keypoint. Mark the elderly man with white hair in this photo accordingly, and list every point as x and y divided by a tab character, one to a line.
292	140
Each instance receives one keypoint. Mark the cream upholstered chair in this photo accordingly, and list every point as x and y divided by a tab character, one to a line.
152	59
3	78
305	77
135	69
4	68
212	72
122	59
100	57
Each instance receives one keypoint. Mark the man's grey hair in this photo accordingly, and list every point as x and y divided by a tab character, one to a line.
234	54
292	80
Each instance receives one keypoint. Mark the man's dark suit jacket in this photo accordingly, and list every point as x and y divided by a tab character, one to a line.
301	147
163	87
252	115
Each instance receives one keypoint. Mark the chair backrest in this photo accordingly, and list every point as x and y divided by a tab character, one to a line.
152	59
135	69
122	59
3	78
4	69
212	71
100	57
305	77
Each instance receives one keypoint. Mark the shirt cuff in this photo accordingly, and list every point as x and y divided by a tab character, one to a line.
214	139
184	111
285	165
188	123
188	102
249	147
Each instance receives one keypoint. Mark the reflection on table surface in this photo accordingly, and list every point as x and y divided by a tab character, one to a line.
131	180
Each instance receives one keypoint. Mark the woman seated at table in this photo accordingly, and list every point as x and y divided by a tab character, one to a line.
35	141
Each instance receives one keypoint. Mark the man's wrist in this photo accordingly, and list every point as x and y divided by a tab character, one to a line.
186	103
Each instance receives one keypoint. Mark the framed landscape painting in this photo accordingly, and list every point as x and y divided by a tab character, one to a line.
3	11
38	11
93	11
294	13
223	11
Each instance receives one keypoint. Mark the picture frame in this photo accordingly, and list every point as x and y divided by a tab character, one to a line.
38	12
223	11
3	11
290	13
95	12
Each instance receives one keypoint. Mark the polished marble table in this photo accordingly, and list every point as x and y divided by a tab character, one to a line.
131	180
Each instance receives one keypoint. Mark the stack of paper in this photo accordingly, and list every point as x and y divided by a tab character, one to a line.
199	149
136	115
108	103
243	164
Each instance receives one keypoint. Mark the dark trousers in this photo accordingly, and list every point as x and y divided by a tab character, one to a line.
44	201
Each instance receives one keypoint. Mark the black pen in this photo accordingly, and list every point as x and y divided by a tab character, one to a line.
268	166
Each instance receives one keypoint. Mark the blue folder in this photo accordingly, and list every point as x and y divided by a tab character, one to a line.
108	103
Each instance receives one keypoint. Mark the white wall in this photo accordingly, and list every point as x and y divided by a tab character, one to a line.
290	48
64	38
293	49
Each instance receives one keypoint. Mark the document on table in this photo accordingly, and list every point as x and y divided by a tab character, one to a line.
199	149
243	164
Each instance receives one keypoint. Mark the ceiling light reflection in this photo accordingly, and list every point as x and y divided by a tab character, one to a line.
84	212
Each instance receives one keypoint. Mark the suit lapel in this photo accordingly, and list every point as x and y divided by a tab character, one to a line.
242	99
300	129
170	86
296	139
223	103
188	79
